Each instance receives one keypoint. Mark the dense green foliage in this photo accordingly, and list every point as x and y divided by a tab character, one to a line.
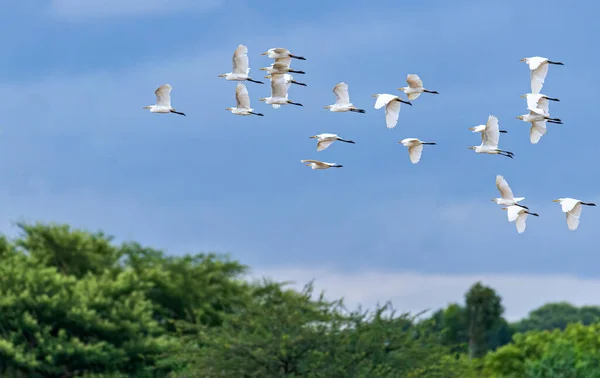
72	303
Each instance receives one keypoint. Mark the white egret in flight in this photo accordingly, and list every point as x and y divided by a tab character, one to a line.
519	214
415	148
163	101
572	208
507	197
279	52
481	129
342	100
240	66
324	140
392	107
490	139
538	125
279	95
289	79
243	102
415	87
539	70
315	164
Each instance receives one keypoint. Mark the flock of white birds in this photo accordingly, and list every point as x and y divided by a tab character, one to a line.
281	79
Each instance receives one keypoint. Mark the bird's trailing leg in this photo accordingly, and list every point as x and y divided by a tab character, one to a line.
503	131
258	114
298	83
588	204
346	141
506	153
551	98
534	214
556	122
298	72
428	91
176	112
431	143
358	110
401	100
558	63
294	103
254	81
553	119
303	58
337	166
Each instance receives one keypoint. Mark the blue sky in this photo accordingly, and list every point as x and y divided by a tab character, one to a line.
78	148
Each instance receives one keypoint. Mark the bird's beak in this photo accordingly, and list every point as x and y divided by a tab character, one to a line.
555	201
522	96
505	208
401	89
518	117
222	75
312	137
374	95
267	77
265	53
326	107
262	69
522	60
471	128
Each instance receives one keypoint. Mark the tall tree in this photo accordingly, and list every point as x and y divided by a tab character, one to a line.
484	315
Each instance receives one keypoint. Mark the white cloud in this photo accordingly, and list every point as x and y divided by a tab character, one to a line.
415	292
78	9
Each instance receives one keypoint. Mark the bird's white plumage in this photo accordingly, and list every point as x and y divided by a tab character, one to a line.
539	69
284	60
278	86
240	61
392	108
341	94
414	153
537	131
163	96
241	97
315	164
504	188
414	81
537	103
491	134
572	208
517	214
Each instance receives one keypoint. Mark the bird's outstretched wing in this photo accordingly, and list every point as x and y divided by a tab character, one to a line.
309	161
521	222
491	134
573	217
278	86
414	81
532	100
513	212
568	204
163	95
538	76
392	112
324	144
414	153
341	94
241	96
240	61
503	188
537	131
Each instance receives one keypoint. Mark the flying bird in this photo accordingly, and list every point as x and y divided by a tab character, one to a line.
519	214
325	140
240	66
572	208
315	164
539	69
415	148
243	102
279	95
507	197
163	101
342	100
280	68
538	103
490	139
289	79
279	52
392	107
538	125
415	87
